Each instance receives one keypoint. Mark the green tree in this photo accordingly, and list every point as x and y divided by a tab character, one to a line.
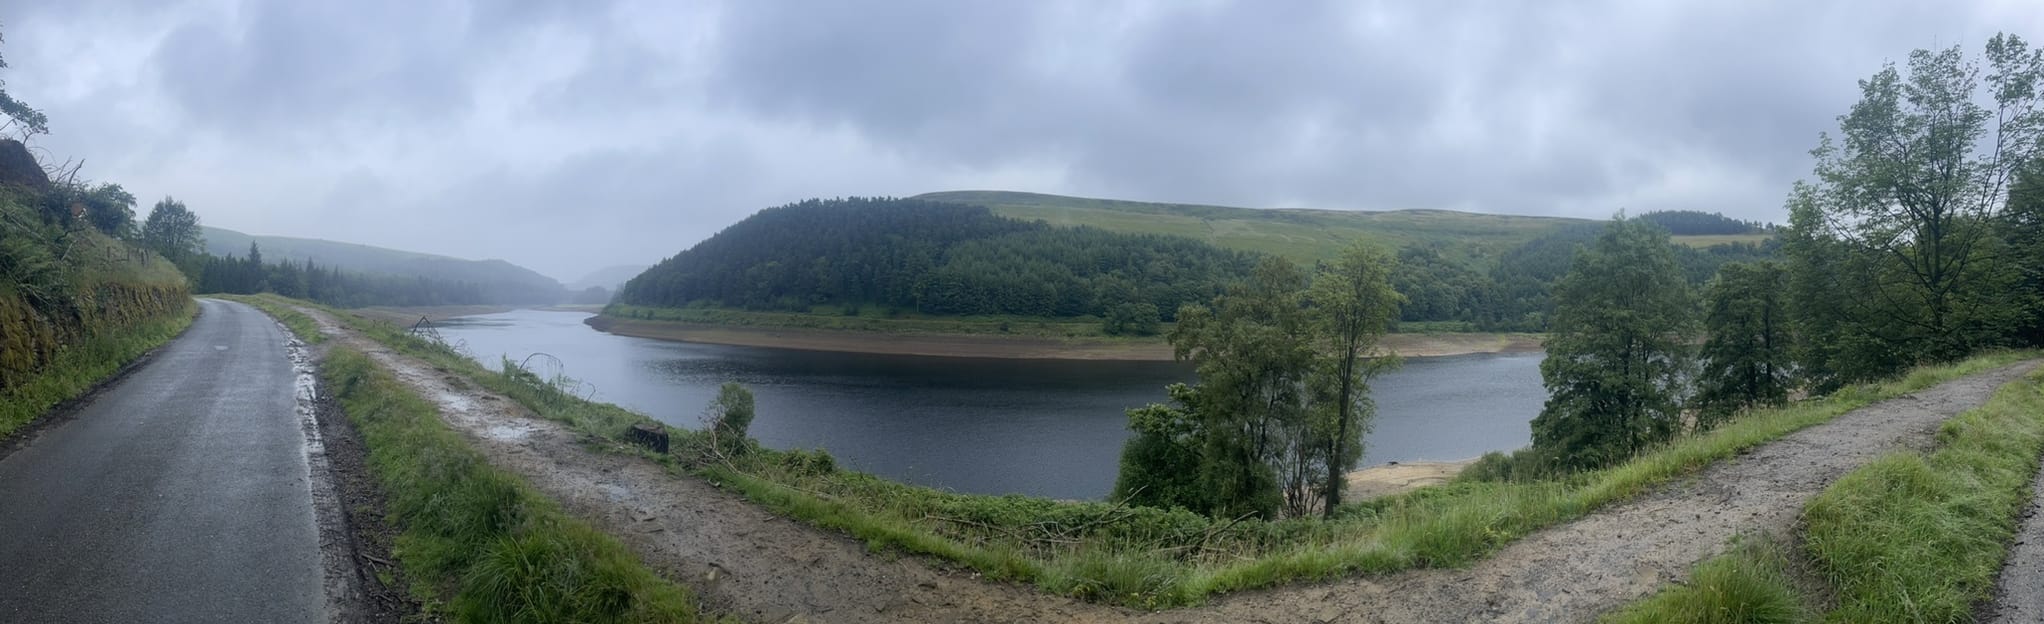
1160	465
1900	217
1138	319
1253	352
110	208
22	120
1746	359
2024	224
1351	303
173	231
730	414
1616	350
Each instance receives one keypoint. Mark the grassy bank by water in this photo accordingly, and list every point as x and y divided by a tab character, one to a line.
480	545
1910	537
1157	558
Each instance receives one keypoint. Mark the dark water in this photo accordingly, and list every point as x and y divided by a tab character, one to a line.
1037	427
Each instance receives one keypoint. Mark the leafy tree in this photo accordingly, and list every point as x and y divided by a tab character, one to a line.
1253	352
1136	319
1695	222
1352	303
1616	350
110	208
1899	221
173	231
1746	349
1161	464
2024	224
1437	289
22	119
731	412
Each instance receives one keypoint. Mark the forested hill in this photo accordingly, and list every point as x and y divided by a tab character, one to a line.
491	281
934	258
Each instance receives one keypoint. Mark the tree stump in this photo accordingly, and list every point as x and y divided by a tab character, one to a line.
649	435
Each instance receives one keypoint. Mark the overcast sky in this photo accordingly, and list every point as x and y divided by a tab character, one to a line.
568	136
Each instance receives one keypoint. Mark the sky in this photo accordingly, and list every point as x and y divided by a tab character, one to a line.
571	136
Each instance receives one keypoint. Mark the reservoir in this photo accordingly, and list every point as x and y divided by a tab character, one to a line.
1050	428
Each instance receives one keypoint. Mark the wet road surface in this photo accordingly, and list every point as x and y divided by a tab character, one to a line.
178	494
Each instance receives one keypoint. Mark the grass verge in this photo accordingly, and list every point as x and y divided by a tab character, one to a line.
1153	558
76	370
1748	585
1915	537
478	543
1909	537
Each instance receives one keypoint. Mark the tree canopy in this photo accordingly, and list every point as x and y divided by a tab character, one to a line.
1894	245
1617	350
935	258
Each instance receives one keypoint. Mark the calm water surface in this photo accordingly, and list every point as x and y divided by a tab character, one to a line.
1037	427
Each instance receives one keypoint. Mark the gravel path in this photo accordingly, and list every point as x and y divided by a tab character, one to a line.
752	564
2019	595
1624	552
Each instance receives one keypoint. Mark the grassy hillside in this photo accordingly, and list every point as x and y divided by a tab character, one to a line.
1299	234
75	305
367	259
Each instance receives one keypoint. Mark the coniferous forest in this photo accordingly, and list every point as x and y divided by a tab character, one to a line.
942	258
935	258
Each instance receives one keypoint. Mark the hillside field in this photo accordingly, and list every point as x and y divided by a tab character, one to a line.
1302	235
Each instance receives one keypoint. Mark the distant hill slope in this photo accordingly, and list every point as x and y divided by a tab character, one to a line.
609	278
1300	234
503	281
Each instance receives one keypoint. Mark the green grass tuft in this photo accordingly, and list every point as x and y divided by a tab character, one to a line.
1749	585
1921	538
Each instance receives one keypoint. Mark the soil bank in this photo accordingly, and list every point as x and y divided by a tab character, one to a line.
1007	347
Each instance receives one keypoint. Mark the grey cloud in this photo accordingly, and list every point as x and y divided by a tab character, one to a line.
569	136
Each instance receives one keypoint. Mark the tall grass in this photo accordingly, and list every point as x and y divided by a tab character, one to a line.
480	545
1154	558
1921	538
77	369
1909	537
1748	585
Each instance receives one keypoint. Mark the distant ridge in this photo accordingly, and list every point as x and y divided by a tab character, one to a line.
1304	235
503	280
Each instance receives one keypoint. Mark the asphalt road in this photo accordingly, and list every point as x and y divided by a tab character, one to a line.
178	494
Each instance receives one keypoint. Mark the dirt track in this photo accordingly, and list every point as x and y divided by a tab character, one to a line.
752	564
2019	594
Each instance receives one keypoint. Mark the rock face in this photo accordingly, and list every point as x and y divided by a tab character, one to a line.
19	169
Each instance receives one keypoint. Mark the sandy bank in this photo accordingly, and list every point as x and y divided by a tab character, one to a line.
406	315
1006	347
1395	478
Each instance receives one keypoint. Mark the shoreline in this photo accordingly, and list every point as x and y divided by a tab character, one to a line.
406	315
1400	477
1006	347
